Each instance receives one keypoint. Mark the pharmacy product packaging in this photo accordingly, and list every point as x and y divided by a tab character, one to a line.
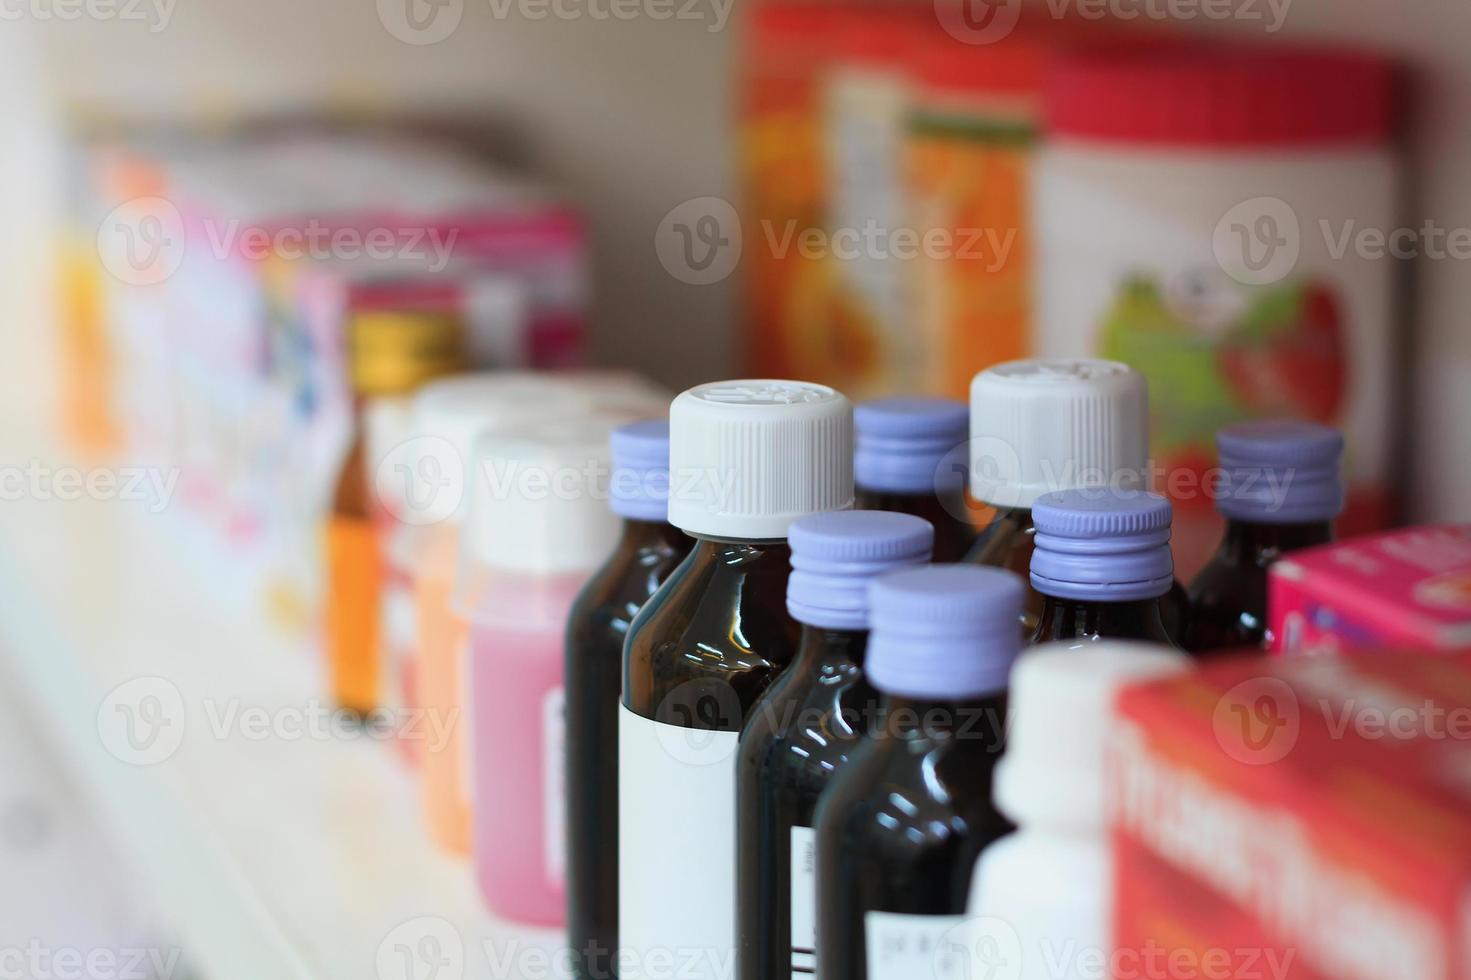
1411	586
1296	818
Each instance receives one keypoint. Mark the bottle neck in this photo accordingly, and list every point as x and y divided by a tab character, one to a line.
824	651
949	501
1067	619
641	534
753	556
1246	542
912	718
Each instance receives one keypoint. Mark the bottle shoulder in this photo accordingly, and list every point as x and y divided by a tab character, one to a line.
913	793
805	726
718	623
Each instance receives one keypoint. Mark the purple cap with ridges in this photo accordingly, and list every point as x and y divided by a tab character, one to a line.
639	488
910	445
1102	544
1280	472
836	554
944	631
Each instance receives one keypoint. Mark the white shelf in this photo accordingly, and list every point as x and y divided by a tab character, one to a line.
273	858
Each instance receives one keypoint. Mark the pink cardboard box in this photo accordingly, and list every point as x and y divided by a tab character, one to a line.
1410	587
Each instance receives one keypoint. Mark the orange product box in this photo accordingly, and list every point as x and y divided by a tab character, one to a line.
1299	818
1411	586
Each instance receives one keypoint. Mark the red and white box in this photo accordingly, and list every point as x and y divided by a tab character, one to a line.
1295	818
1410	587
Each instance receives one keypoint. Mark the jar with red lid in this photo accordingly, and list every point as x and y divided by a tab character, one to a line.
1211	215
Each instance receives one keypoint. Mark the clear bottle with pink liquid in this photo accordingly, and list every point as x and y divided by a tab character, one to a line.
539	527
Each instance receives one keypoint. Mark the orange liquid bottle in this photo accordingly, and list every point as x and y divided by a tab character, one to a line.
391	353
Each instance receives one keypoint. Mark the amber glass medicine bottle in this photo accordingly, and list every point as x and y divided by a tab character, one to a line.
911	458
390	354
746	459
1281	488
1102	565
900	828
649	548
802	731
1040	425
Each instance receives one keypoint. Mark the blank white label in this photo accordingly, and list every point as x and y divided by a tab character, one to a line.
804	902
676	832
554	783
914	947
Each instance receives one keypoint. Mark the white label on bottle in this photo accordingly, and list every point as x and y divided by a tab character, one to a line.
554	783
804	902
676	834
914	947
465	693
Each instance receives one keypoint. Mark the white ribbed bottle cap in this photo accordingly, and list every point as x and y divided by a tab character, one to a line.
747	458
449	415
1037	426
1061	708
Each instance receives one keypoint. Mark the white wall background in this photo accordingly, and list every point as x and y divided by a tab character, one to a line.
633	117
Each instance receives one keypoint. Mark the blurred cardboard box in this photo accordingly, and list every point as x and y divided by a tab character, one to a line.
1409	587
1297	818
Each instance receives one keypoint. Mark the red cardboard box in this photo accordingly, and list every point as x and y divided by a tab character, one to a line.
1296	818
1410	587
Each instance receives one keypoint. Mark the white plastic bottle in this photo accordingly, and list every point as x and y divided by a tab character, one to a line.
1042	897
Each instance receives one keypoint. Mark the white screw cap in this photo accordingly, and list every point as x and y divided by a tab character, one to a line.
1042	425
747	458
539	498
1061	708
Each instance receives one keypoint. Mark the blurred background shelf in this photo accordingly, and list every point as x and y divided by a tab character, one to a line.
283	857
633	117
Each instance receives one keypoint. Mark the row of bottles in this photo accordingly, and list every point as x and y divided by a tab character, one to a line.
808	725
728	709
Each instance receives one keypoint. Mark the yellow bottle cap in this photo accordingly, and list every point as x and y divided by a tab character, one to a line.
395	351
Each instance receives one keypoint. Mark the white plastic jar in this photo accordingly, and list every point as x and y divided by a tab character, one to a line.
1212	215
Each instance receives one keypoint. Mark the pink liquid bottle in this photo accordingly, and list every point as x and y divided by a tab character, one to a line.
539	527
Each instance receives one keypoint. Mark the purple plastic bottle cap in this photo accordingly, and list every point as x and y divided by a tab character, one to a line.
1102	544
911	445
1280	472
835	555
639	488
944	631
